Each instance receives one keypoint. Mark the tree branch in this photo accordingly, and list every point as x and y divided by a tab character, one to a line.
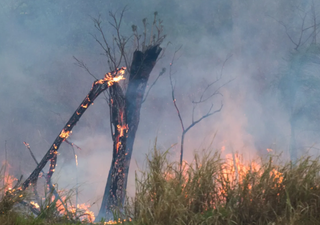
160	74
97	88
173	89
82	65
195	103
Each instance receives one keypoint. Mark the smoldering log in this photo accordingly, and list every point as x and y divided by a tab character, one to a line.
97	88
141	67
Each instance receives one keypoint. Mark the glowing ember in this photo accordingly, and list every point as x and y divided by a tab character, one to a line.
65	134
277	176
84	106
81	212
118	145
112	78
86	213
122	129
76	157
116	222
34	204
26	144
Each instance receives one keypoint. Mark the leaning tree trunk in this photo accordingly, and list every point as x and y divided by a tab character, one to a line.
98	87
125	117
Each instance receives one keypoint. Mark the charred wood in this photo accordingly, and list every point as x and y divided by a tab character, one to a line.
97	88
125	114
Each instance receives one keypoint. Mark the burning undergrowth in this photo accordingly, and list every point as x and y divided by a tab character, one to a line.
210	190
14	209
213	190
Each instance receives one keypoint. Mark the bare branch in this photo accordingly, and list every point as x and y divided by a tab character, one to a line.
303	28
209	113
72	144
301	32
51	186
216	92
201	99
76	161
173	89
290	38
160	74
104	46
82	65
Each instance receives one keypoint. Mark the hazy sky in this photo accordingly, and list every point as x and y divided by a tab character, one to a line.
41	86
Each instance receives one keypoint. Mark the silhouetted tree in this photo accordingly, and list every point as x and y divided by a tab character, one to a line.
299	81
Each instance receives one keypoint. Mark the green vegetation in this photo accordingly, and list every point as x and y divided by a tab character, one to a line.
213	190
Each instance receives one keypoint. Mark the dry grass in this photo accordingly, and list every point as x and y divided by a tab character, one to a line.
16	209
210	190
214	191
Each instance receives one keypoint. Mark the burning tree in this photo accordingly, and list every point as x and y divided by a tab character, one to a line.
98	87
124	105
125	102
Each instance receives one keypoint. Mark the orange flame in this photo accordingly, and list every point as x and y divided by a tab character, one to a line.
65	134
76	157
118	145
84	106
8	182
115	222
82	211
34	204
112	78
122	129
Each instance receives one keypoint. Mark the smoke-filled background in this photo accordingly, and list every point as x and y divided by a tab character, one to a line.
271	101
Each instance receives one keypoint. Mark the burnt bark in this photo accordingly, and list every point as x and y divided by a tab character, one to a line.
140	69
114	187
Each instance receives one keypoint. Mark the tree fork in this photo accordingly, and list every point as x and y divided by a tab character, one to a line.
129	106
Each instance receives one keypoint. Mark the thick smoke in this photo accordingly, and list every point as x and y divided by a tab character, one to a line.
41	87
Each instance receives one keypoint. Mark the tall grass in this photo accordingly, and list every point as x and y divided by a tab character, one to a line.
212	190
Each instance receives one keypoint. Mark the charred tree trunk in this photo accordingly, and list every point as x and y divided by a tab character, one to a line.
114	187
141	67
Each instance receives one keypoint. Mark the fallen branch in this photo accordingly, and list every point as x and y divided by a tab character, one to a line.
97	88
49	183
